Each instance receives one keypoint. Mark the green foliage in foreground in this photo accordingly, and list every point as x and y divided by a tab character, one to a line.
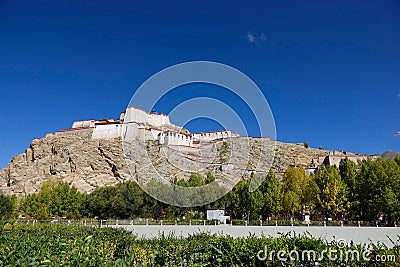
7	204
59	245
366	191
55	245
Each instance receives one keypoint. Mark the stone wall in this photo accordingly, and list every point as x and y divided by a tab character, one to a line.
335	159
210	136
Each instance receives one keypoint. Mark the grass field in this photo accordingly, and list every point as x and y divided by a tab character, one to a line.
61	245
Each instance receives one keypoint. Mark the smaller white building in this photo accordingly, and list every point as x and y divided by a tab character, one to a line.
218	214
171	138
211	136
107	131
83	124
158	119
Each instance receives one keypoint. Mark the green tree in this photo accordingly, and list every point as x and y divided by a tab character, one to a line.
103	202
182	182
308	195
209	178
66	200
133	197
7	204
45	199
54	198
196	179
245	204
29	205
397	159
379	188
272	192
331	191
295	186
349	172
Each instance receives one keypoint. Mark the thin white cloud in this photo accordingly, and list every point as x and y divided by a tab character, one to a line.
397	134
250	37
257	39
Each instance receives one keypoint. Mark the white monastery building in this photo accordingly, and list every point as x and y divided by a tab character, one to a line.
137	124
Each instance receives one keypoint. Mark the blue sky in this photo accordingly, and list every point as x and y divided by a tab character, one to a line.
329	70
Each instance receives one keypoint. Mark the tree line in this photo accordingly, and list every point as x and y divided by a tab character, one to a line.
368	190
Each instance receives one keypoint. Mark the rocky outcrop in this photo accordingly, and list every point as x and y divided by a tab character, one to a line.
76	159
390	154
85	163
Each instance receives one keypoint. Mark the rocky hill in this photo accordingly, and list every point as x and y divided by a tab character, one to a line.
88	163
390	154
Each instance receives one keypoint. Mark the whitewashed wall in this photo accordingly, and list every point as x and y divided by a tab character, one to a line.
158	120
212	135
155	133
177	139
161	138
135	115
132	131
107	131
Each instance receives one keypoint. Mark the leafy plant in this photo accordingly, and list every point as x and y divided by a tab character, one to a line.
59	245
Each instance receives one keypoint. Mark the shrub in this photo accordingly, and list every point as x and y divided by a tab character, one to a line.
59	245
